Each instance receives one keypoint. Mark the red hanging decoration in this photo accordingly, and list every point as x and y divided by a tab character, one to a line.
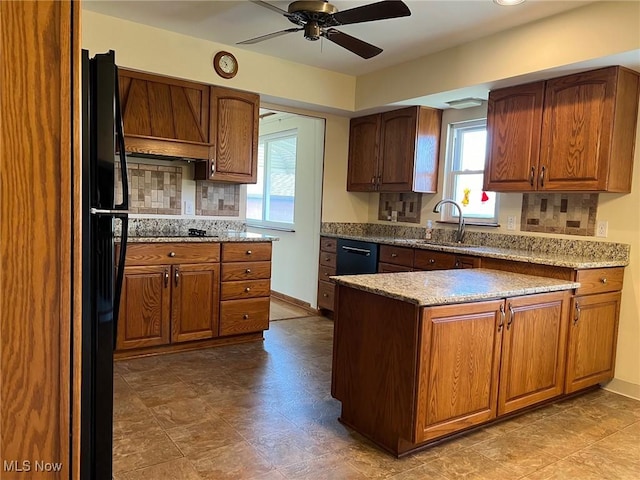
485	197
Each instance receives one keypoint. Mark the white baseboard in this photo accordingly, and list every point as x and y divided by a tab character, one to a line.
627	389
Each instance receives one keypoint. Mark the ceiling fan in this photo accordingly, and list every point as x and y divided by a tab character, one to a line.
318	17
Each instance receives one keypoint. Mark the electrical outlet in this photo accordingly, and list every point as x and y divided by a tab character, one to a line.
602	229
188	207
511	222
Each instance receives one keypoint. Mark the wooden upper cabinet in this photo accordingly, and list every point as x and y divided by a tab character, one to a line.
164	116
573	133
588	131
234	137
364	138
514	121
395	151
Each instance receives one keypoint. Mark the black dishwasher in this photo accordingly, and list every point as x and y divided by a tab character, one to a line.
355	256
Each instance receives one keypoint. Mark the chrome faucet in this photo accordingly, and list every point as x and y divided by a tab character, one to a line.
460	232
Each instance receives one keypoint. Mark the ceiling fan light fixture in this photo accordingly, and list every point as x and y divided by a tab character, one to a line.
465	103
312	31
508	3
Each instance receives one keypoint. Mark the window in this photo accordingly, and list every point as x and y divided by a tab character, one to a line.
465	171
270	202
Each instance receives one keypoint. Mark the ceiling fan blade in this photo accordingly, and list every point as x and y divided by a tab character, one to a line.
353	44
374	11
268	36
269	6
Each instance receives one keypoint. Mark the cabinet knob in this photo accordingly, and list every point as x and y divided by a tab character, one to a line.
248	270
326	259
325	295
326	274
248	252
604	280
172	254
247	289
432	261
245	316
394	255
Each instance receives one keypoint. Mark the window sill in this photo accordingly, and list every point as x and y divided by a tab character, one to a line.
270	227
470	222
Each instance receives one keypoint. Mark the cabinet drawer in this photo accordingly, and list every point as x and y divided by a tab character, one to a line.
328	244
328	259
245	271
428	260
396	255
390	268
245	289
599	280
171	253
326	291
325	272
244	316
246	252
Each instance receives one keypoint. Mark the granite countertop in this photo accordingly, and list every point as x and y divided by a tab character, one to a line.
559	259
440	287
217	238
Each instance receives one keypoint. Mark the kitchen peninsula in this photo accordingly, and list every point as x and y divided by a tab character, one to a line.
419	356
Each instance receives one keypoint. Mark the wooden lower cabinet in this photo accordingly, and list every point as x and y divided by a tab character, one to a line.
593	332
459	362
244	316
533	350
194	303
326	268
145	312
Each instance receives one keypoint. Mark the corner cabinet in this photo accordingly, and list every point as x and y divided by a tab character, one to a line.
569	134
234	137
164	116
395	151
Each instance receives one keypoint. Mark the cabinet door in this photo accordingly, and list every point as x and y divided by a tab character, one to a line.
577	131
234	135
458	365
164	116
593	332
144	307
364	135
514	119
398	130
533	350
195	305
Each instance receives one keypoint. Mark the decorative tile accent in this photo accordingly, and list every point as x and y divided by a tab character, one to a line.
152	188
565	213
408	206
217	199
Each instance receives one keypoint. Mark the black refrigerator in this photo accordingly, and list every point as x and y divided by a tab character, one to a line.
102	274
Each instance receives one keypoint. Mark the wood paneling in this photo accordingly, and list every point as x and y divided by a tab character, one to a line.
533	350
195	302
245	271
514	120
364	144
171	253
459	363
39	58
243	316
145	313
397	149
246	252
593	332
599	280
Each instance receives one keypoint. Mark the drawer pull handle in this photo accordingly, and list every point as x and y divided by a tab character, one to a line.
247	289
325	295
394	255
604	280
326	259
248	270
326	274
176	275
166	277
511	315
577	315
531	177
248	252
245	316
502	315
432	261
172	254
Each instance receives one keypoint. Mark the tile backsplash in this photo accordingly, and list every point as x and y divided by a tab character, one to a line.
407	206
153	188
565	213
217	199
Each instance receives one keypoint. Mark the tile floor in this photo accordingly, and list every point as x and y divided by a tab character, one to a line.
263	411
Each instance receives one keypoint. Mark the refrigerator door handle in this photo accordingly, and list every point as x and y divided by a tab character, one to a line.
119	278
112	213
123	156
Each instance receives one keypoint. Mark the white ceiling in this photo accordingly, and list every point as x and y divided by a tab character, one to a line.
433	26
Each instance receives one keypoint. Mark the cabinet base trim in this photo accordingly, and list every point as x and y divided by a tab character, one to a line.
185	347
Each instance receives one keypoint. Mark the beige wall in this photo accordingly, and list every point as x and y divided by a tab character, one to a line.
599	29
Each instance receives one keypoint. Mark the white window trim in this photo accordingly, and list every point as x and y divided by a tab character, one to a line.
266	224
448	212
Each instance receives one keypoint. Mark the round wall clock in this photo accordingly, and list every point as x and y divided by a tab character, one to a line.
225	64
